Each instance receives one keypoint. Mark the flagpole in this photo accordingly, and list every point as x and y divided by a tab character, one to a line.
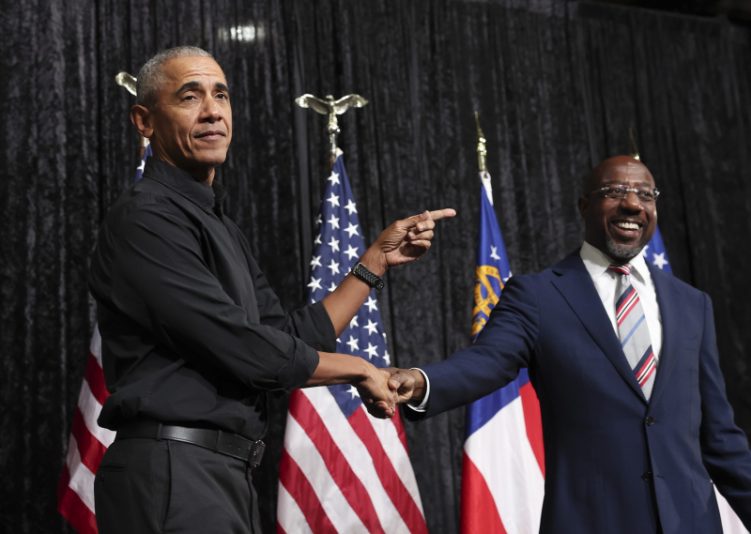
342	470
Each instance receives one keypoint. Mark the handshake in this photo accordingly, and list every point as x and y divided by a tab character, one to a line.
384	388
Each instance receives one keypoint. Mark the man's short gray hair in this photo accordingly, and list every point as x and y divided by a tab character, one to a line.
150	77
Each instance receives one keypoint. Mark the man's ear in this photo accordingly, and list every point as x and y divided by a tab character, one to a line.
141	117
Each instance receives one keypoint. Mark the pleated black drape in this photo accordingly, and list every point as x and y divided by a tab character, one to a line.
557	85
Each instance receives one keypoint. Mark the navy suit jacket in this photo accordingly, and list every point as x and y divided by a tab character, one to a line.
614	462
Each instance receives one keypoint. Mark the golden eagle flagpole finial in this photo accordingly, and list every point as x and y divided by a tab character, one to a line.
482	151
331	108
128	82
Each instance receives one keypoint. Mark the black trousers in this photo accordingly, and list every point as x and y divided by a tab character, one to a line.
146	486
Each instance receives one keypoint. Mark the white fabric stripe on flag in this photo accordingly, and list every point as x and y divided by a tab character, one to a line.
508	465
302	450
90	408
95	346
81	479
731	523
357	456
289	515
397	454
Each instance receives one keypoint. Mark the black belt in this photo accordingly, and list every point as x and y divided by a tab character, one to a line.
226	443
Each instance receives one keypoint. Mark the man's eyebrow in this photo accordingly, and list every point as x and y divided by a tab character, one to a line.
188	86
193	86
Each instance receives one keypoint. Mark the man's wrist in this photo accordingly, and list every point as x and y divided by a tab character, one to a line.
421	393
361	272
375	261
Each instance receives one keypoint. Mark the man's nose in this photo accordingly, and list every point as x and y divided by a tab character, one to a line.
211	111
631	201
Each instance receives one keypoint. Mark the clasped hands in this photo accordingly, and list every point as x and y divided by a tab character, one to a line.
384	388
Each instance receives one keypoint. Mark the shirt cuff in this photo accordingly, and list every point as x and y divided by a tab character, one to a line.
422	407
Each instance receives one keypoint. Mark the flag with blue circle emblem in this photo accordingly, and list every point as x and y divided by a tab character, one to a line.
503	465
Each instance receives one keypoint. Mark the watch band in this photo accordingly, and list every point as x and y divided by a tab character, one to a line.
364	274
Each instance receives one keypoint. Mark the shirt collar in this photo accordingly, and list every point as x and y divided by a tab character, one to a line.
183	183
597	262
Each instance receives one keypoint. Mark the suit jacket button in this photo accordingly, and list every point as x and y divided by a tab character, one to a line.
650	420
647	475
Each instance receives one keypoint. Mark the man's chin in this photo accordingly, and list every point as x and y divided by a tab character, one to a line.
622	252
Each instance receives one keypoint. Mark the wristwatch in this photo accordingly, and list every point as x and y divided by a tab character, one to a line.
364	274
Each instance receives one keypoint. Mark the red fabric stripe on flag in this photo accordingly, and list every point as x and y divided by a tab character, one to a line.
533	423
397	420
95	378
72	508
89	447
478	510
293	479
390	480
351	486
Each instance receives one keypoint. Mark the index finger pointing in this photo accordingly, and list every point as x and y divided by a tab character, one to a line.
444	213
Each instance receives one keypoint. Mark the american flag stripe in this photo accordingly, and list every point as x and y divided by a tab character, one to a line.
72	507
409	515
386	488
292	519
326	494
94	379
90	449
352	474
86	447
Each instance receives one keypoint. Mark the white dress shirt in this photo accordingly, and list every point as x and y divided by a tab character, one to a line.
596	263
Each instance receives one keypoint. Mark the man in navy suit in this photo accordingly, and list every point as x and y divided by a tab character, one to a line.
632	443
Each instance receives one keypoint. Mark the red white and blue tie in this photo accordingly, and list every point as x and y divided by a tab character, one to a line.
633	331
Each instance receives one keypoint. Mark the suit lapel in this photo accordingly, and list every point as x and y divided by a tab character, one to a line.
575	285
668	301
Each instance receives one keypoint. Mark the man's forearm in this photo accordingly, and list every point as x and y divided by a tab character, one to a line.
342	303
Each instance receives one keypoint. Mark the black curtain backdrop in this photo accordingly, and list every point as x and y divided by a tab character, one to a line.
557	85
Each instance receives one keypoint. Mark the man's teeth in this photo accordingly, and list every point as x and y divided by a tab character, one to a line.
627	225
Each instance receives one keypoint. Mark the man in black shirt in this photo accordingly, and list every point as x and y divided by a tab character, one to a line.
192	334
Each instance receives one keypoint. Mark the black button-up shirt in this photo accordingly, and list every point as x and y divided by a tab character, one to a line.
192	333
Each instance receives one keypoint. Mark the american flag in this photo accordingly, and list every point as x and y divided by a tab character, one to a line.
656	254
503	468
341	469
88	441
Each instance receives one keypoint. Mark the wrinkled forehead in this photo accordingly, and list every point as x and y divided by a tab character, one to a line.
180	69
621	171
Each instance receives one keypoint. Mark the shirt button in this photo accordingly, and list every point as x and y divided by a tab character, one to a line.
646	476
650	420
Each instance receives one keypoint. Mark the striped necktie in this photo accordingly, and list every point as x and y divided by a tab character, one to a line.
633	331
